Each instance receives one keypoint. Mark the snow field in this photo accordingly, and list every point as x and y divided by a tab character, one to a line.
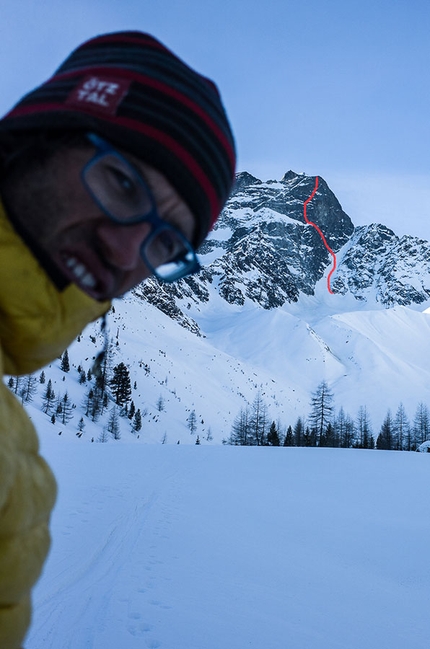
191	547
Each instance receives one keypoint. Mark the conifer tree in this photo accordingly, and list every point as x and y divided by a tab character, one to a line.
298	432
309	437
192	422
289	437
273	436
48	398
121	385
42	377
330	438
15	384
132	410
137	421
65	365
93	403
385	437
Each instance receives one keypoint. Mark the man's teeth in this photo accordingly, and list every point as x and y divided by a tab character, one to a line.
84	277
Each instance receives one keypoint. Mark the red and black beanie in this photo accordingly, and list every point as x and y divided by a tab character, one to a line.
131	89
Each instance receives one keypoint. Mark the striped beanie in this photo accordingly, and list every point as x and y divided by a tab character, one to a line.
135	92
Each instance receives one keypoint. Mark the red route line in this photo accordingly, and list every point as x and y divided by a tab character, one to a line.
314	225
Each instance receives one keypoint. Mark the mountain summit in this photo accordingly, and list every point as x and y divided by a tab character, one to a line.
262	251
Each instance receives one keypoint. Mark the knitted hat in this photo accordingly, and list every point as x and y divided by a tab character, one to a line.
129	88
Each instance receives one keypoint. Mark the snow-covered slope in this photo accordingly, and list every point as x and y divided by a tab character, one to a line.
374	358
259	318
173	547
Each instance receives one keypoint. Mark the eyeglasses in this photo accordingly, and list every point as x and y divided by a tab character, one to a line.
123	195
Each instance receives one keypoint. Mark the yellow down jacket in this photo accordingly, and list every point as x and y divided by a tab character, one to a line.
37	322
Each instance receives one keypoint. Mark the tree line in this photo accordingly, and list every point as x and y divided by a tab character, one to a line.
326	427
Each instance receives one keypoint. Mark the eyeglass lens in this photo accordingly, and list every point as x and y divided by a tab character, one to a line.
122	194
118	188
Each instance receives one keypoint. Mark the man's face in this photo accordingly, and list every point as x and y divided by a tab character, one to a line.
100	256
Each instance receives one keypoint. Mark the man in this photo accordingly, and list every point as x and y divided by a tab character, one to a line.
113	170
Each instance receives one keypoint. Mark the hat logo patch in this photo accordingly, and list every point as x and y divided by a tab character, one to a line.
102	94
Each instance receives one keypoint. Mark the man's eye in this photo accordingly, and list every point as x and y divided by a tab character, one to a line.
122	181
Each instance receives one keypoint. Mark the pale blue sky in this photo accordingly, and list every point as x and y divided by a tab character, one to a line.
335	88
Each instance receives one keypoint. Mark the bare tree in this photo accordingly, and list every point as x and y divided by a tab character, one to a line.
48	398
259	421
401	430
321	411
113	423
421	427
239	435
29	389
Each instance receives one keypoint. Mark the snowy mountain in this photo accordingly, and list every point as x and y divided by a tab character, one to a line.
262	251
174	546
263	317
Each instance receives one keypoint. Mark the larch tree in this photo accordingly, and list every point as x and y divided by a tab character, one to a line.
421	425
401	430
48	398
239	435
363	429
321	411
258	422
113	427
192	422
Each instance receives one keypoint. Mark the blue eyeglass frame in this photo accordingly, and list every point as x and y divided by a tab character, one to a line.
191	263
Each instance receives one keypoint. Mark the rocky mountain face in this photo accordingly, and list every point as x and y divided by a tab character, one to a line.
263	251
259	320
376	262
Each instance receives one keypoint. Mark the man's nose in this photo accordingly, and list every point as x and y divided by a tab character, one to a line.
121	244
